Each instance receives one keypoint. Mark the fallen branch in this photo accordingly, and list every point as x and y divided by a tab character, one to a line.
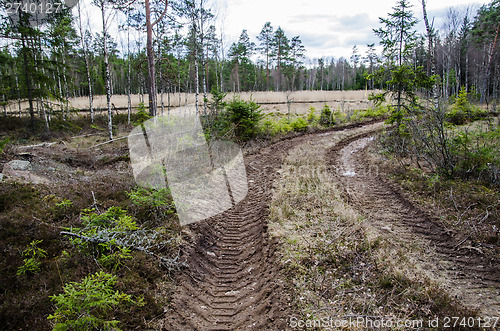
38	145
108	142
85	135
170	264
460	243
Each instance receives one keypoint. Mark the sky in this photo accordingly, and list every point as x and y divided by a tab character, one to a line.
326	28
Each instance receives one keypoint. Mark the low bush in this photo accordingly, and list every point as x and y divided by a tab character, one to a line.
237	120
90	304
379	111
272	126
298	124
32	258
142	115
326	116
477	154
102	235
152	204
3	143
462	111
311	116
245	116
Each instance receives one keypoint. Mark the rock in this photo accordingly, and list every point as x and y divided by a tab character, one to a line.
1	177
36	179
22	174
20	165
21	170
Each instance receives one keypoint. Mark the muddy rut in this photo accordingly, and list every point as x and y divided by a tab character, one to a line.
232	280
463	269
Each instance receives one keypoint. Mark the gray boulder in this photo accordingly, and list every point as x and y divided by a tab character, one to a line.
20	165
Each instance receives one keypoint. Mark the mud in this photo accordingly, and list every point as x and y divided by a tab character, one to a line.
233	282
463	269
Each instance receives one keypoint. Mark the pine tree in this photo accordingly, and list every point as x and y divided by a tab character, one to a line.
295	58
241	52
371	58
355	57
398	38
265	37
279	52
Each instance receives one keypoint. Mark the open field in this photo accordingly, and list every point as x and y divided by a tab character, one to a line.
296	102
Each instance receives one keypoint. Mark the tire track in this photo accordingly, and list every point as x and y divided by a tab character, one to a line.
474	276
232	281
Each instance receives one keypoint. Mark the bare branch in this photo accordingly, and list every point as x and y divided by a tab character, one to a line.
162	14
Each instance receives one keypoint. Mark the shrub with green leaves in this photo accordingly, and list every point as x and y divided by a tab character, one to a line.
299	124
32	258
271	126
462	111
3	143
311	116
154	204
142	115
63	208
379	111
326	115
90	304
217	103
477	154
245	116
114	218
64	204
151	198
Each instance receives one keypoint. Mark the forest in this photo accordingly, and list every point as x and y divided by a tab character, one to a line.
47	60
371	183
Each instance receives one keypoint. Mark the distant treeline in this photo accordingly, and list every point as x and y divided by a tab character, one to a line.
62	57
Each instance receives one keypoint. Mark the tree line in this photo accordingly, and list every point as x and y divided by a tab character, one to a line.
60	56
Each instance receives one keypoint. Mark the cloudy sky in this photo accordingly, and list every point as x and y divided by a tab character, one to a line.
326	28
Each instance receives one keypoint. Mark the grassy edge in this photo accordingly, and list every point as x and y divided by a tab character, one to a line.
335	261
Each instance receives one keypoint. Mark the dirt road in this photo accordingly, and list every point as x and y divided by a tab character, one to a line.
232	280
463	269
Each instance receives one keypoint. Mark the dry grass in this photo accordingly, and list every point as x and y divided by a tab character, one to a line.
300	101
338	264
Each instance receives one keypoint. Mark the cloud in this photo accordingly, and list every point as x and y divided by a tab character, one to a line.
360	39
338	23
359	21
318	40
309	18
